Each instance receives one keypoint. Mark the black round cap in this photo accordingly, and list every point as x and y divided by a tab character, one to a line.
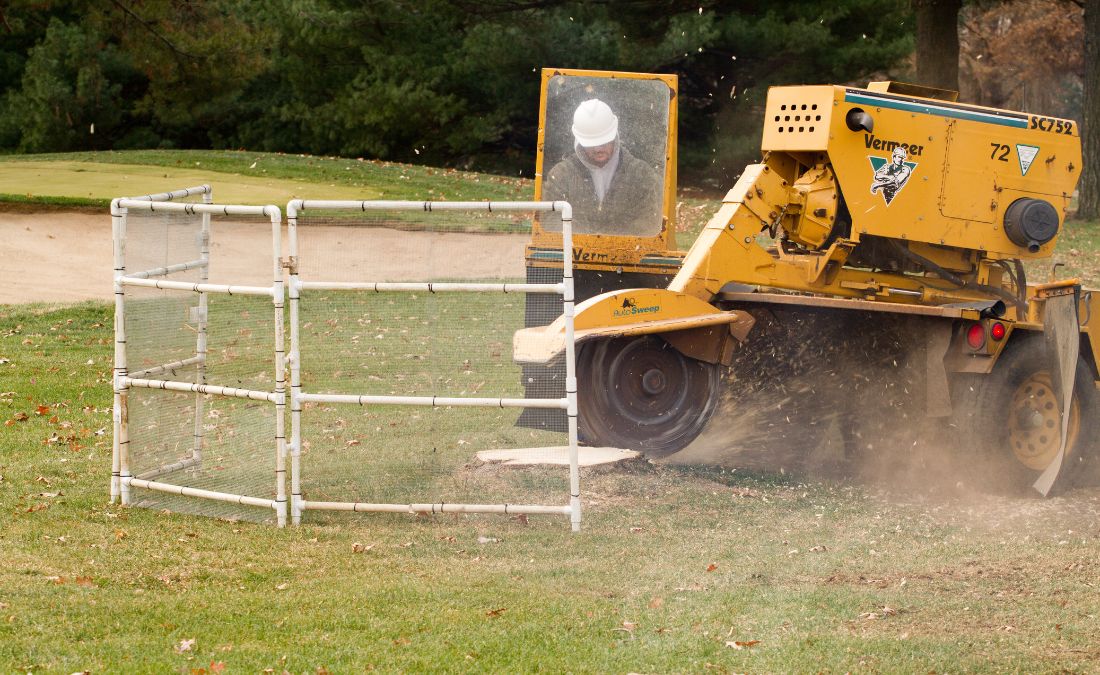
1031	223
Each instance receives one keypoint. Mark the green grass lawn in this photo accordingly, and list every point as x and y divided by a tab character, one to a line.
677	569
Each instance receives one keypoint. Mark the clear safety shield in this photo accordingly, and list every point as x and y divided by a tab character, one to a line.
619	186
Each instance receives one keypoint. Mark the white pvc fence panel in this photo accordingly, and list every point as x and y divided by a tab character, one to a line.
199	385
401	364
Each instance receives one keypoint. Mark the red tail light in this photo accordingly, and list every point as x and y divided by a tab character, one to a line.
975	336
997	331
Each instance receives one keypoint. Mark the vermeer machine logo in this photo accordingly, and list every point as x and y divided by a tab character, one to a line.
891	176
630	308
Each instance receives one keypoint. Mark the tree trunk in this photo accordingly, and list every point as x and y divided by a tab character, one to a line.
938	43
1088	200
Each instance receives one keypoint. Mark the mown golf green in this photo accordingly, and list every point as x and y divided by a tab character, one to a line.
238	177
57	179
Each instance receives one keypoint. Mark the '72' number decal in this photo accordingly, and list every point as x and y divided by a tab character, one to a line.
1051	124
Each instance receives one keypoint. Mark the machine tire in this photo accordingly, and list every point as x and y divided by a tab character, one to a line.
1001	417
642	394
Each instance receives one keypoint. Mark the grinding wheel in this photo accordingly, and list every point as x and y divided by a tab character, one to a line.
642	394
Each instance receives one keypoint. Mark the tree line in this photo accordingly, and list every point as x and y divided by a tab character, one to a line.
455	83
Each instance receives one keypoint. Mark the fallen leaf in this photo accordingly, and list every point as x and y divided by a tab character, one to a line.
493	613
487	540
360	548
655	603
282	587
819	548
711	567
185	645
42	410
21	417
217	666
739	644
84	581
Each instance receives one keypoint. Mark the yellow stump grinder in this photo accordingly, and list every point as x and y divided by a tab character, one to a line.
877	256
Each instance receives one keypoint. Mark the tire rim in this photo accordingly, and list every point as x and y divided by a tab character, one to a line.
1034	425
651	383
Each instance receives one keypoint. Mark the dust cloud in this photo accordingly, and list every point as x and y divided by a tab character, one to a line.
839	395
835	396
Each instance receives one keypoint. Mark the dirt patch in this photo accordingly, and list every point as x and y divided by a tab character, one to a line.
66	256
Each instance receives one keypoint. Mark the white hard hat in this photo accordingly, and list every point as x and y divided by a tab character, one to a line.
594	123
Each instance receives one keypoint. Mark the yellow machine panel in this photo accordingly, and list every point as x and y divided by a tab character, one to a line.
798	118
934	171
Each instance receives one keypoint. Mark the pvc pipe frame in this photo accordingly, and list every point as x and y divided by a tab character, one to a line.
438	401
121	479
362	507
120	437
429	287
297	397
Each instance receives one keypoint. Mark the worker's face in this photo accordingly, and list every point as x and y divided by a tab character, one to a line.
599	154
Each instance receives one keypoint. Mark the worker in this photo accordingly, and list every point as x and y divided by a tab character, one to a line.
611	191
892	177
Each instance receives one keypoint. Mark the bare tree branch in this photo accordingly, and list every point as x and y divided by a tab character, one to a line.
149	27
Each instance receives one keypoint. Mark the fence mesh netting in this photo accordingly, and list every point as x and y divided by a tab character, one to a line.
444	344
231	448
